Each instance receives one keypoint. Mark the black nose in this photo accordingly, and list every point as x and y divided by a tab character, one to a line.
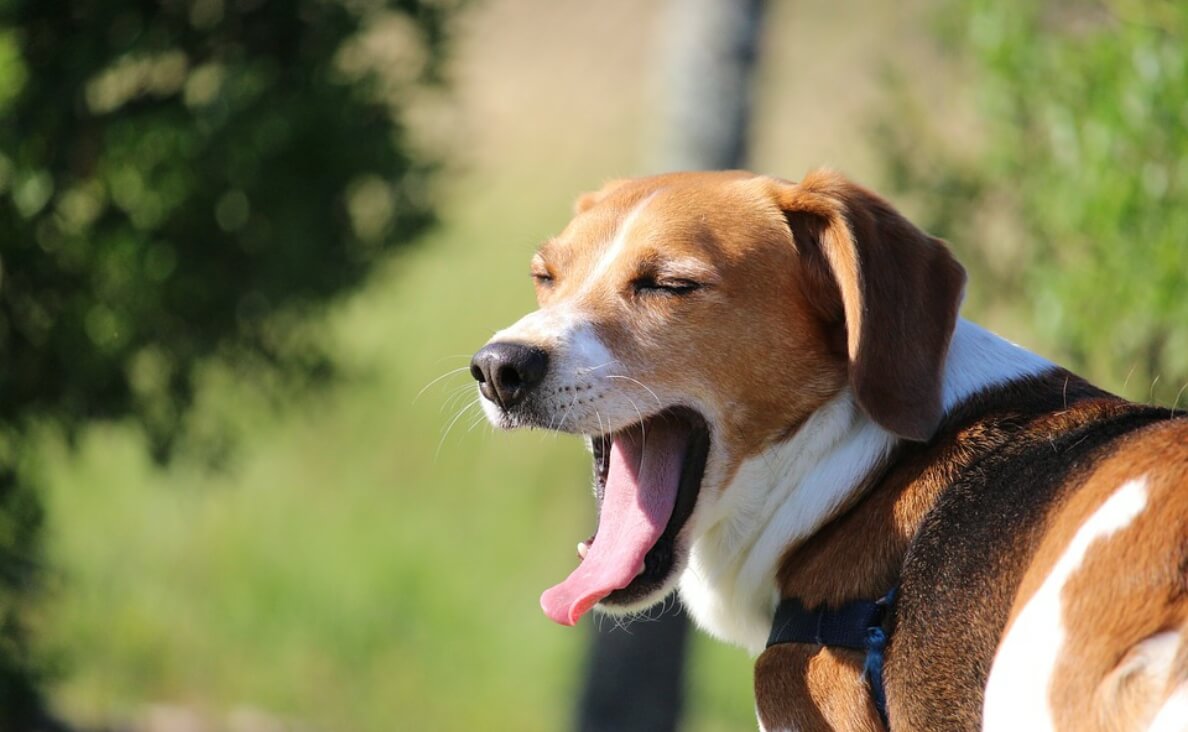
506	372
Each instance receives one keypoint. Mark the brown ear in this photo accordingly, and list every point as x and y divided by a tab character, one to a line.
899	290
587	201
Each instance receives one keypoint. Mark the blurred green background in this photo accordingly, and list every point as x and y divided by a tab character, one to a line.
231	540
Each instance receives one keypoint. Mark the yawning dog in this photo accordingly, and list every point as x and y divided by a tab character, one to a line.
791	424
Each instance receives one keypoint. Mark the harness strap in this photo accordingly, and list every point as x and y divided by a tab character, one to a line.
856	625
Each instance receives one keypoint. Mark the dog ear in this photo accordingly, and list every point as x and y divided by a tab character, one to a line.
899	292
587	201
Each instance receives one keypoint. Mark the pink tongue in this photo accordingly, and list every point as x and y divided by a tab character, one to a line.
641	489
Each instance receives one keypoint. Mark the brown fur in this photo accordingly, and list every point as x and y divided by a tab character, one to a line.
900	290
829	695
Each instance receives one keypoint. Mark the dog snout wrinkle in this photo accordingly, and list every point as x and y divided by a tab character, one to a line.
507	372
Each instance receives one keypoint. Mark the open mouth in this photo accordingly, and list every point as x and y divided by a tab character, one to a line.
646	481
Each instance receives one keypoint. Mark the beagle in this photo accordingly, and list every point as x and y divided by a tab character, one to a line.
789	421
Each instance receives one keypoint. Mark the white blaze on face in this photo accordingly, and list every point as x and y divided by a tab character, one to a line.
545	328
617	244
1018	690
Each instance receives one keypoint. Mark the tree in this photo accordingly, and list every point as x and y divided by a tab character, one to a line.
180	180
1081	150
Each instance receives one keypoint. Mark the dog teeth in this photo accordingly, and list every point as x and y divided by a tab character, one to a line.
641	569
583	548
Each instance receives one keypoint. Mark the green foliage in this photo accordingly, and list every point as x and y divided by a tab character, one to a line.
175	174
1075	196
178	180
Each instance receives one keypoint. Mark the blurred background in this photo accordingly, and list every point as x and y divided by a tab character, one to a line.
247	248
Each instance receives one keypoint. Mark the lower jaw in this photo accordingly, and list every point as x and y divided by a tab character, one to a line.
652	585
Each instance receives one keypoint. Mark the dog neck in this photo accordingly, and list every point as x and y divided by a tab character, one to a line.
778	499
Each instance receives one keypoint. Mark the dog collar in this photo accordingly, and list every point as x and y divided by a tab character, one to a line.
857	625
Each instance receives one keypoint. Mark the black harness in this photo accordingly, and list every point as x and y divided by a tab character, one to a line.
857	625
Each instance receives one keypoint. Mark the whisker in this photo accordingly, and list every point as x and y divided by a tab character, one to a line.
450	426
643	431
676	602
482	417
565	414
553	419
459	392
659	609
449	373
641	385
595	368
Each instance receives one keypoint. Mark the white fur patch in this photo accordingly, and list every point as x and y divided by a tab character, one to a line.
1153	657
1150	665
776	500
618	243
979	359
781	497
1020	678
1173	715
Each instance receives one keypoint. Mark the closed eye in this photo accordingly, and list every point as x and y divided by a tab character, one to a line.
664	287
542	276
542	273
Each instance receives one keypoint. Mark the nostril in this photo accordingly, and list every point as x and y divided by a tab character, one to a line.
532	367
508	377
477	372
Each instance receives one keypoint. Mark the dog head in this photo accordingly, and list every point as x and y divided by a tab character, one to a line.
688	322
